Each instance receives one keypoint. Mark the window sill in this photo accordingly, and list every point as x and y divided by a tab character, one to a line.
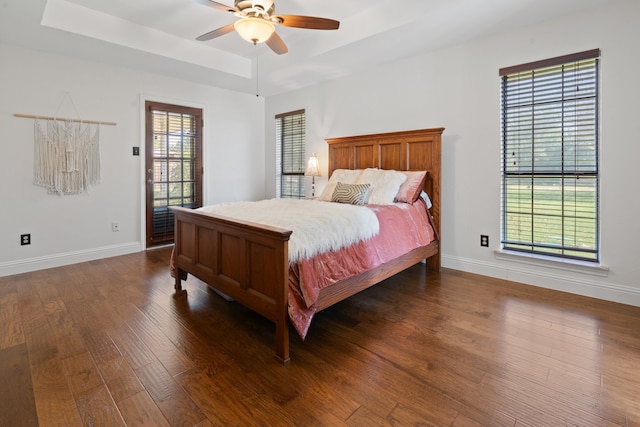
572	265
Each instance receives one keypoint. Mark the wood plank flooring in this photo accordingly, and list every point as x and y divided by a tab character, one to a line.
109	343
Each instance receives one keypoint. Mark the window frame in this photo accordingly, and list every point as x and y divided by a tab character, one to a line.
545	246
291	154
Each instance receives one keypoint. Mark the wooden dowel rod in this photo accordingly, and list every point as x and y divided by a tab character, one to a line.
62	119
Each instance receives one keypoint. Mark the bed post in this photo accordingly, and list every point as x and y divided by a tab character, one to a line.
282	307
282	339
433	263
178	280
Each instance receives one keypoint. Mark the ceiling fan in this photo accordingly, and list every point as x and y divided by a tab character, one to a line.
258	20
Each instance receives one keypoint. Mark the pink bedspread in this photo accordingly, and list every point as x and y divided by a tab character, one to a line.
403	227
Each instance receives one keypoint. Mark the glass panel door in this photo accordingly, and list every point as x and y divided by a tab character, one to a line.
173	166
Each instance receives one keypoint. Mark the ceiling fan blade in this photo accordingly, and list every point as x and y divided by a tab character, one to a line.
217	5
216	33
276	44
309	22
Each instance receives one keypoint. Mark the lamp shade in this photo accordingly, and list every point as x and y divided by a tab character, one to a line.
313	167
254	30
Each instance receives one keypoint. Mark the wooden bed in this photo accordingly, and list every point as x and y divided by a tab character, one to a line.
249	262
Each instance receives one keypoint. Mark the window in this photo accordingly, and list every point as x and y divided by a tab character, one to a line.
290	154
550	157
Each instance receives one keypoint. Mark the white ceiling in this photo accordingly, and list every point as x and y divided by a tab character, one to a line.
159	35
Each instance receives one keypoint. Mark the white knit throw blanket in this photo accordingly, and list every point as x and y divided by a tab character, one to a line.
317	226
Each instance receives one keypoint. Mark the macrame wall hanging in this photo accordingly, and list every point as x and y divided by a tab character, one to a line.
66	155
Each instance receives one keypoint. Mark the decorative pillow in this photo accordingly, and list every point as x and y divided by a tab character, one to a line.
410	189
355	194
385	185
345	176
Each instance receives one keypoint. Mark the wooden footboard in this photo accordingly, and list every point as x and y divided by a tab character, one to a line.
247	261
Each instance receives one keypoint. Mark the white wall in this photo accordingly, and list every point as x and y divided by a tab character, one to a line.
67	229
458	88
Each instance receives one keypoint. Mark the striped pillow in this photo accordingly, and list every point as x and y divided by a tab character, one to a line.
355	194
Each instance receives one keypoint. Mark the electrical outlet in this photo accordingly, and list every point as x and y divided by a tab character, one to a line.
484	240
25	239
115	226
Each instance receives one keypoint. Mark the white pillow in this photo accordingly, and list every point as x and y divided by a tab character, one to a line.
345	176
385	185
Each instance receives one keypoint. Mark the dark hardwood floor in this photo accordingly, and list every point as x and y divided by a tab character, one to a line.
108	343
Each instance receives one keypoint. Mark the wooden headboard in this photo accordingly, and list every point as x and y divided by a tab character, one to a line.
406	151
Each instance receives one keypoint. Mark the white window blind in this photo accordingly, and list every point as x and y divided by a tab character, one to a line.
290	154
550	157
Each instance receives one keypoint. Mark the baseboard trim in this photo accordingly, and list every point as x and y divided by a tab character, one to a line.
544	278
67	258
515	272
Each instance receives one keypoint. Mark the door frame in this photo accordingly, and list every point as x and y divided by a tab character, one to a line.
143	99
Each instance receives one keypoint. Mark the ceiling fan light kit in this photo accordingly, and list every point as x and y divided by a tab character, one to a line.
258	20
254	30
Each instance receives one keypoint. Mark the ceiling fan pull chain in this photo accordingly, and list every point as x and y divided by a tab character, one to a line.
257	75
